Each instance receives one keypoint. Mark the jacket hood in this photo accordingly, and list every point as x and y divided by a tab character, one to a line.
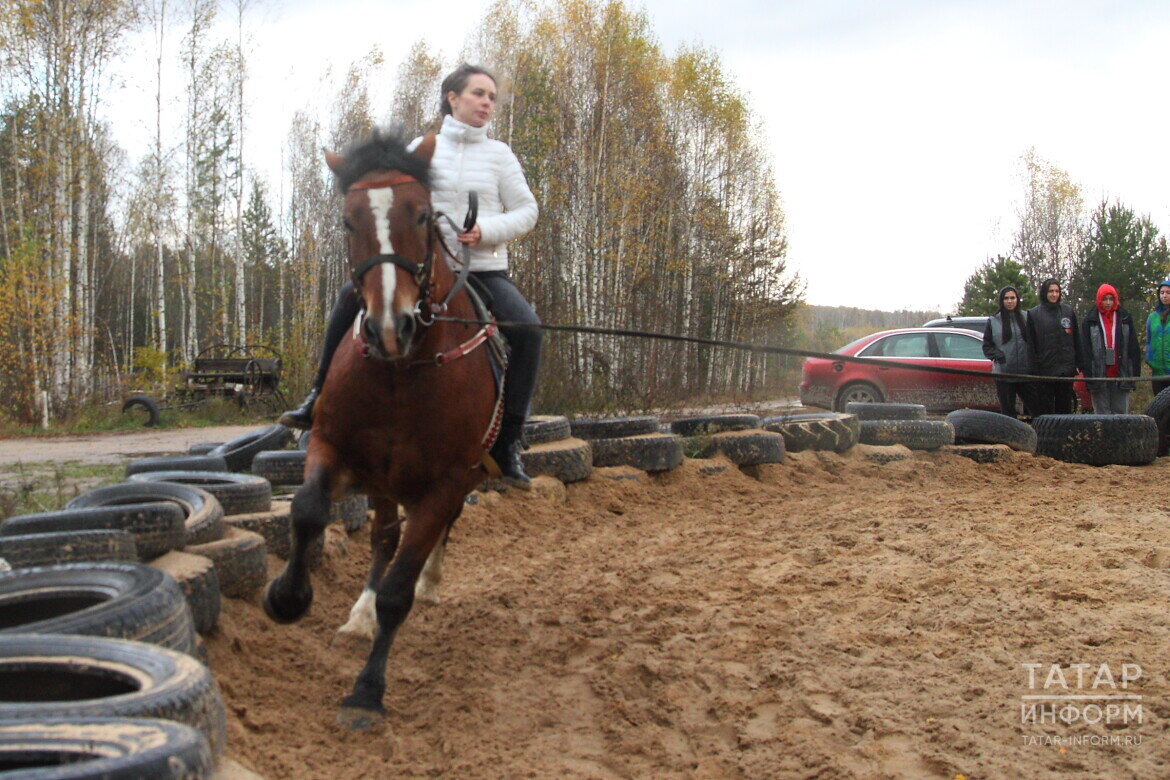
1044	285
1108	289
1161	307
1006	289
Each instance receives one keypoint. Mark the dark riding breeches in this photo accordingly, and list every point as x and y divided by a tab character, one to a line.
507	304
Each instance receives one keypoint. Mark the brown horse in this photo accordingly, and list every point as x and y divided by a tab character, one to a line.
404	412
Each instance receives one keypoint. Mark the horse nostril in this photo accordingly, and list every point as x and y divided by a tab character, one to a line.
371	329
404	325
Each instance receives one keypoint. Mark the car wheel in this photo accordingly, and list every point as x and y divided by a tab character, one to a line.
862	392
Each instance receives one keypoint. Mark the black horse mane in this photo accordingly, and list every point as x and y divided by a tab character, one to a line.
384	149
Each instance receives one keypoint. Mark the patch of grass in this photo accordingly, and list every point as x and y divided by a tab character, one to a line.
27	488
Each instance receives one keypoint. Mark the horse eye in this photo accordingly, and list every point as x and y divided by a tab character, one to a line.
347	225
423	217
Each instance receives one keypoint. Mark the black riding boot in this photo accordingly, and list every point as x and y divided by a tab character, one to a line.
340	320
506	453
301	417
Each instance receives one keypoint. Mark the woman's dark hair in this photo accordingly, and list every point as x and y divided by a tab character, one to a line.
456	81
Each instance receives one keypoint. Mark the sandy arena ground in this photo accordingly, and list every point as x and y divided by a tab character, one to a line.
825	617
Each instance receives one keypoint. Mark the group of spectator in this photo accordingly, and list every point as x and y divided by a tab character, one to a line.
1047	340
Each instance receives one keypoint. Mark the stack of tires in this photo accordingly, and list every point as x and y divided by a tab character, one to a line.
988	437
629	441
886	424
738	437
825	432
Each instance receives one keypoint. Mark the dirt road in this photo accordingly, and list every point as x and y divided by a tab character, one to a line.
111	447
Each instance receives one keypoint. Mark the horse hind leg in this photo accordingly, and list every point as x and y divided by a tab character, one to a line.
363	618
426	590
288	597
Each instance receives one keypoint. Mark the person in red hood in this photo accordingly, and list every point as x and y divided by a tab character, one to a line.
1110	349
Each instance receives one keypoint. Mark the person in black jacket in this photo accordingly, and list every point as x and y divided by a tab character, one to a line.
1111	350
1005	345
1054	344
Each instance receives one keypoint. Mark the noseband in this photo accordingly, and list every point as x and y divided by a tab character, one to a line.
421	274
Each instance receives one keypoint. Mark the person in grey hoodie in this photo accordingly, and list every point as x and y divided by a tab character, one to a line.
1005	345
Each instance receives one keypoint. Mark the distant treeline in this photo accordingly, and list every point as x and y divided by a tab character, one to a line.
825	328
843	317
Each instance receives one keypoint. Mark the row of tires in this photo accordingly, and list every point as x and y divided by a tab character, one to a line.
747	439
99	651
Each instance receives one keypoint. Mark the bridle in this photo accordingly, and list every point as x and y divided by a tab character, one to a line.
425	310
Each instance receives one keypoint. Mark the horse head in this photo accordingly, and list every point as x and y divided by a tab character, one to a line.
391	240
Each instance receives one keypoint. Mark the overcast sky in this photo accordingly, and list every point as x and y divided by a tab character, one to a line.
896	128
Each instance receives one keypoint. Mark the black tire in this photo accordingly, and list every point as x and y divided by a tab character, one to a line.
823	432
157	527
648	452
28	550
857	392
241	561
975	426
203	516
107	748
203	448
1098	439
881	411
280	467
177	463
714	423
52	676
239	451
119	600
569	460
914	434
196	577
238	494
541	429
1159	409
275	526
750	447
612	427
143	402
352	511
980	453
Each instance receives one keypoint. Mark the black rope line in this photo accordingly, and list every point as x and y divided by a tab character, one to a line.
770	350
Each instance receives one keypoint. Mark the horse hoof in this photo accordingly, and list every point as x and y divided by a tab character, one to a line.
428	596
358	719
285	609
348	640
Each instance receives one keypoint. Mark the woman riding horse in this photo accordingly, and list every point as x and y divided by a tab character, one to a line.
466	160
405	411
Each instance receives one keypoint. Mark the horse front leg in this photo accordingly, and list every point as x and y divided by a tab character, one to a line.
288	597
425	524
363	618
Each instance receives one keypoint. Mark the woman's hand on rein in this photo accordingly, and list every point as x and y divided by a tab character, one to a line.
471	237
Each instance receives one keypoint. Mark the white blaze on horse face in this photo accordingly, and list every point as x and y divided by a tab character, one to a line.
363	617
381	200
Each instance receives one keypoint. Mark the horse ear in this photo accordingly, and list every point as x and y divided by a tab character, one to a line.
426	149
335	161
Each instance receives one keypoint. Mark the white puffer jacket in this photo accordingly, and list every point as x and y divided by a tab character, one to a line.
466	159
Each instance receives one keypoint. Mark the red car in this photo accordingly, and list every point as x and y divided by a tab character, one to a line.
831	384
